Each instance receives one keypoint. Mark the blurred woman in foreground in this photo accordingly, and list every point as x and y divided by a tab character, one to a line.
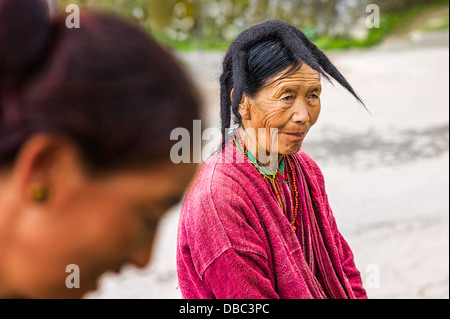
85	121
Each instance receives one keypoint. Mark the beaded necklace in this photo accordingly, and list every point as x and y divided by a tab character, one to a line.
272	177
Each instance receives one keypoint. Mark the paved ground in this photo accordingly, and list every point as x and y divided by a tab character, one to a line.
387	173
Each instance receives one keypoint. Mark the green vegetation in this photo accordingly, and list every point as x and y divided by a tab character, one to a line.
157	17
389	23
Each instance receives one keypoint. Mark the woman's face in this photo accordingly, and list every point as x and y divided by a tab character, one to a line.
291	105
96	223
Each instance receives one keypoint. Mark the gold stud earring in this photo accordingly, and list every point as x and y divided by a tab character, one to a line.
39	193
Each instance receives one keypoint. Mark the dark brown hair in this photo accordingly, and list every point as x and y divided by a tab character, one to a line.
107	86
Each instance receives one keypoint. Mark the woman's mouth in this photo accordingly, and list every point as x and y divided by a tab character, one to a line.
295	136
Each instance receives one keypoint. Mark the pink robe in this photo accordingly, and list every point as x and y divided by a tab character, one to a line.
234	241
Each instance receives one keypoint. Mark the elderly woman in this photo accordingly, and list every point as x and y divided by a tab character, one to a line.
85	171
257	228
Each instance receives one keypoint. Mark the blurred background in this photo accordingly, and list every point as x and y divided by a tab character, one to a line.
386	171
213	24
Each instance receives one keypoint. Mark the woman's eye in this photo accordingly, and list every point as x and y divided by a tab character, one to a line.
314	96
288	98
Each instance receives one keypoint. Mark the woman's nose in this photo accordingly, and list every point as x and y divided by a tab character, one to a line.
301	113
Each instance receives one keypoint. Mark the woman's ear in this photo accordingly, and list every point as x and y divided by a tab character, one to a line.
43	166
244	108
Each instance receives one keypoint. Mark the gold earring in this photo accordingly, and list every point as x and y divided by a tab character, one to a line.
39	194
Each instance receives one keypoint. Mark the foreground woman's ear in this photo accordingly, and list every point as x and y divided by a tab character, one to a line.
44	164
39	193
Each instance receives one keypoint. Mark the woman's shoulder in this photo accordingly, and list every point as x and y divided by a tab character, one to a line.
216	179
308	164
310	168
313	175
224	171
305	158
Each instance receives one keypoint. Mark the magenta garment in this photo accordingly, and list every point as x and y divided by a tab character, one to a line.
234	241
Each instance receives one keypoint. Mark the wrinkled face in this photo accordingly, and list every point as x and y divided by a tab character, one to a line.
290	104
96	223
